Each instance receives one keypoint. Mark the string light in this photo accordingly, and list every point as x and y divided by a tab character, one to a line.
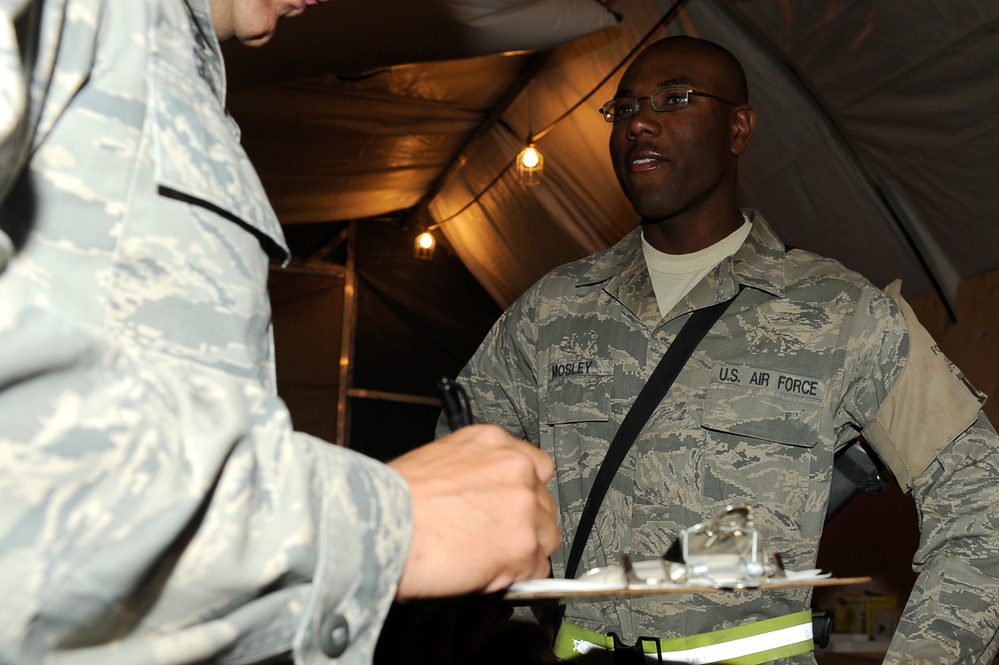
424	246
530	166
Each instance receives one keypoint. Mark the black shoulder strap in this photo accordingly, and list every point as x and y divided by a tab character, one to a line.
652	393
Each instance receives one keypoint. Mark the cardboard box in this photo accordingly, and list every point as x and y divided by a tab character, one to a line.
867	614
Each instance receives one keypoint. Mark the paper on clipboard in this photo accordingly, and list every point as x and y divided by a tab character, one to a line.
549	585
578	590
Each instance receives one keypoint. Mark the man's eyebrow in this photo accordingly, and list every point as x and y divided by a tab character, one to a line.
672	83
668	83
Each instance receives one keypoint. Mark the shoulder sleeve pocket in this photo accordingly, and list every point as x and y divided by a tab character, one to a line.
929	407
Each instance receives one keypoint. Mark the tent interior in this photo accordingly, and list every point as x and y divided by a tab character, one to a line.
372	122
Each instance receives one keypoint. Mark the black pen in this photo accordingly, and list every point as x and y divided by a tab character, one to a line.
454	399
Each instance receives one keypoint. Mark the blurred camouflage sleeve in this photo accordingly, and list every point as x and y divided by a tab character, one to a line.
142	522
144	519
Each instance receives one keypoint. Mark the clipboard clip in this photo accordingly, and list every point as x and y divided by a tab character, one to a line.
725	551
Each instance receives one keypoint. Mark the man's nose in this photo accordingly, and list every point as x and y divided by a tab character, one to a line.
645	121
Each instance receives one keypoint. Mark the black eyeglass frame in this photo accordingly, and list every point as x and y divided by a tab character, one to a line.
659	93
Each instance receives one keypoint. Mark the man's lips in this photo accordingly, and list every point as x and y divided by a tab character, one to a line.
639	161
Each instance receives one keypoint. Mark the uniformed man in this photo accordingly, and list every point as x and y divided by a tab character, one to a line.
156	505
807	355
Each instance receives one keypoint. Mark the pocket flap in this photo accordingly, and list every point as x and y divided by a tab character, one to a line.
578	399
197	154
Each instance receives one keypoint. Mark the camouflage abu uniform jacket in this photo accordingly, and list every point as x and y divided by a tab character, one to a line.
157	506
809	355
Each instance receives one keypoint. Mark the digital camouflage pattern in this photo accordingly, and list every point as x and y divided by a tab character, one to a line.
797	367
141	202
157	506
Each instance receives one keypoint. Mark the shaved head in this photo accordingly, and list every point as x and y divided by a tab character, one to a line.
732	77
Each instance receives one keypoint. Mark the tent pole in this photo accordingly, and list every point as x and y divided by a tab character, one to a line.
346	377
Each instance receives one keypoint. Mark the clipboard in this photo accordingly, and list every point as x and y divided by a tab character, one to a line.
550	591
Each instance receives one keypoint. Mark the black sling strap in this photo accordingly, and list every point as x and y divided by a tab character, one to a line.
652	393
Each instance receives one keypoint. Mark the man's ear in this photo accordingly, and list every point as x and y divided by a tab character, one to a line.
743	122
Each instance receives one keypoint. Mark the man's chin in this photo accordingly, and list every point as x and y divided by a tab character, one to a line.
651	214
256	40
649	201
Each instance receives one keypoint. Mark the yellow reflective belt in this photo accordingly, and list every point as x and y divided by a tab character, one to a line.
748	644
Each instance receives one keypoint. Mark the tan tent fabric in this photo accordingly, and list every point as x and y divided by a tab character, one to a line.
878	125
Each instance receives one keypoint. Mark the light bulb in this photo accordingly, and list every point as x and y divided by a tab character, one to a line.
529	158
423	247
530	163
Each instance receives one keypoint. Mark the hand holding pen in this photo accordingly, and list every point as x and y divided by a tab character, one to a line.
482	515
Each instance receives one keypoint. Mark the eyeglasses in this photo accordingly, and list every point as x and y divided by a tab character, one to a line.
668	99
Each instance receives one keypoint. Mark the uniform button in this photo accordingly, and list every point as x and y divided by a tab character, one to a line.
334	635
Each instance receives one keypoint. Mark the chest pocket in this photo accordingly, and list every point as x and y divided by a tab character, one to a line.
761	445
197	154
578	399
577	388
786	410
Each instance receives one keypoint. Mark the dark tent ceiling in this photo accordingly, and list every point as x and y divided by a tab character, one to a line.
878	125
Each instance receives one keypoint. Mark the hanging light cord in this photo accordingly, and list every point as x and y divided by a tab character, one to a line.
477	196
667	17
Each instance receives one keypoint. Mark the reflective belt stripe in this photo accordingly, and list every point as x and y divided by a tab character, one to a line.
748	644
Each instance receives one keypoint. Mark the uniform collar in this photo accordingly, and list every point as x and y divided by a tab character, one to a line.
622	272
209	49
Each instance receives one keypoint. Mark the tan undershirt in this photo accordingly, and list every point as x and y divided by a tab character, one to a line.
673	275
